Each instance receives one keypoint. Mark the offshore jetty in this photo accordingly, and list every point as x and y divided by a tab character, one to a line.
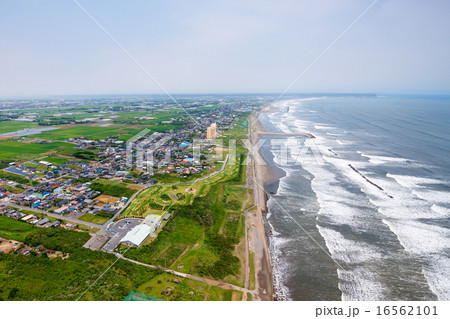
369	181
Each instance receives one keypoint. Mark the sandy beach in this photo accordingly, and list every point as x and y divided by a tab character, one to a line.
260	174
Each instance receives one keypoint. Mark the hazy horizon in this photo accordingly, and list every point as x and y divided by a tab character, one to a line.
223	47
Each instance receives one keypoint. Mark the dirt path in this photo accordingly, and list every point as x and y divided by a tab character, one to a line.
210	282
247	257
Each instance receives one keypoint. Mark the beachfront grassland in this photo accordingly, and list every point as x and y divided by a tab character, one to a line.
40	278
153	198
205	237
13	126
186	290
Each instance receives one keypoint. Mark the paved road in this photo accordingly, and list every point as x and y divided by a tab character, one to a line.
58	216
117	214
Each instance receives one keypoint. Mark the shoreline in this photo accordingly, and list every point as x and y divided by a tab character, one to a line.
258	243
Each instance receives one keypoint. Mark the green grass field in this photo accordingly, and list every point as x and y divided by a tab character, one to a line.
15	230
205	236
17	151
12	126
150	199
186	290
39	278
94	219
112	188
56	160
89	132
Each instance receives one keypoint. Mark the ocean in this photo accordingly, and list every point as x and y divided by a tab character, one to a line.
370	196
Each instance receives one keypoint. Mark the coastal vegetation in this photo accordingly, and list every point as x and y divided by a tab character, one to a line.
203	236
32	277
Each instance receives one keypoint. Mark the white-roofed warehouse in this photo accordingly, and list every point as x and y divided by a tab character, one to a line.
137	235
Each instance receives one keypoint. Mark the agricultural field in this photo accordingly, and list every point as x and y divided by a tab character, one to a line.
89	132
19	151
17	178
12	126
107	199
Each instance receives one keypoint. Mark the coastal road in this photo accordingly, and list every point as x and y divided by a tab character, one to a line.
247	257
263	271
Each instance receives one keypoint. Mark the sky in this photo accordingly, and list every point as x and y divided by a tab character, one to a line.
52	47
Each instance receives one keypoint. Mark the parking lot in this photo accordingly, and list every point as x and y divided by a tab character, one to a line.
96	242
118	231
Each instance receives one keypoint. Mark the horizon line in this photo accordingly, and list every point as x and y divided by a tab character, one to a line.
81	95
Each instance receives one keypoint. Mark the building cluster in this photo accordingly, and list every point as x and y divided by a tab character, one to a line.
63	196
32	219
45	185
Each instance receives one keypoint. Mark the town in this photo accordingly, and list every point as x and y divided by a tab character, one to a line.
119	170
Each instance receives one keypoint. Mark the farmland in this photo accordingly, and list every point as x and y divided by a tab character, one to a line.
17	151
88	131
12	126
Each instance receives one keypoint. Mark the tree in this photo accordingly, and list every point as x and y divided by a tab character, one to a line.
13	293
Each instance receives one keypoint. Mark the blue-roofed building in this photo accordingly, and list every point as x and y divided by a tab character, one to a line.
15	170
185	144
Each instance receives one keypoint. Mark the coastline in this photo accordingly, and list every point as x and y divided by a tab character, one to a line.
258	244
